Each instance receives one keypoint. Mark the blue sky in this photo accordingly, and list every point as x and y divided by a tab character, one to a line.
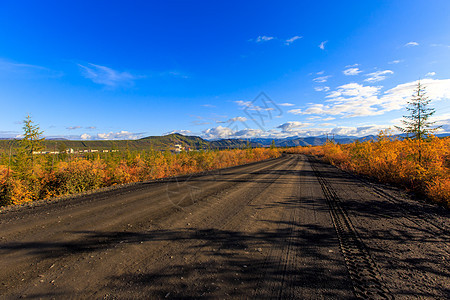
121	69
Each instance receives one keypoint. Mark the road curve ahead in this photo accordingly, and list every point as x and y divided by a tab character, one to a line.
284	228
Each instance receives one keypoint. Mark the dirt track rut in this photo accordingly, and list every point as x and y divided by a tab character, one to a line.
284	228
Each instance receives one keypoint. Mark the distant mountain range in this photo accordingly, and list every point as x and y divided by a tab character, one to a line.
320	140
157	143
168	142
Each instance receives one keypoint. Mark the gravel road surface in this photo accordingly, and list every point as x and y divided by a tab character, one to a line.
290	227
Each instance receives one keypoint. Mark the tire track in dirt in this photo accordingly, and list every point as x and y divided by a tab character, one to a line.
225	223
366	278
68	243
288	228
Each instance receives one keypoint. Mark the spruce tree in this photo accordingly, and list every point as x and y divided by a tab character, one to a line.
30	143
417	122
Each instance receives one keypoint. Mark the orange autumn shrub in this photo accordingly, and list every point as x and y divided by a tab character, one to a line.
50	178
12	190
439	190
421	166
72	177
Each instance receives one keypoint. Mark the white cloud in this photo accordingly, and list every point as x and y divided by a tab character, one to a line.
352	71
27	69
236	119
440	45
351	66
328	119
292	39
378	76
14	66
250	106
322	45
208	105
106	76
7	134
411	44
296	111
73	127
321	79
249	133
263	38
243	103
292	129
218	132
292	125
183	132
437	89
443	121
121	135
86	136
326	125
359	131
199	123
394	62
286	104
430	74
356	100
322	88
320	73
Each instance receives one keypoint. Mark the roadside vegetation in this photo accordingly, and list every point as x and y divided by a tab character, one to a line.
26	177
419	166
420	162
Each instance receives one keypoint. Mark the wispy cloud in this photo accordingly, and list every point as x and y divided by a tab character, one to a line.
107	76
7	134
321	79
73	127
263	38
440	45
351	66
237	119
208	105
394	62
430	74
23	68
292	39
296	111
351	71
5	64
321	88
250	106
411	44
378	75
322	45
286	104
176	74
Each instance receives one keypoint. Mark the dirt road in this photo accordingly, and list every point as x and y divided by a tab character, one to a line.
284	228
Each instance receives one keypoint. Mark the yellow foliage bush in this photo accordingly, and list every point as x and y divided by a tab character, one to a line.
421	166
49	179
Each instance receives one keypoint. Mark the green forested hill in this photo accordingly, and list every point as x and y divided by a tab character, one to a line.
159	143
